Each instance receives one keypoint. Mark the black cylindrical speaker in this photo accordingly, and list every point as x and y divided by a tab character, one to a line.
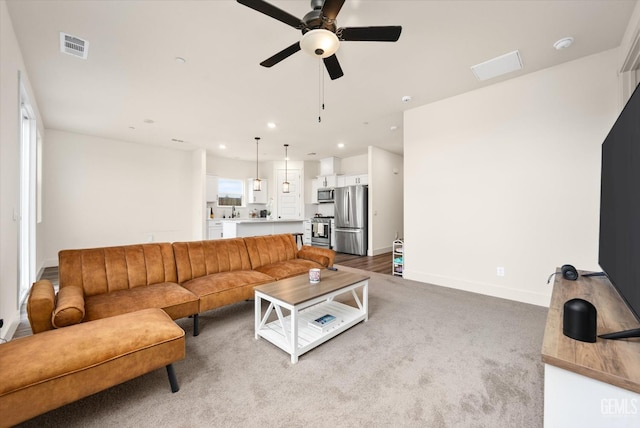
569	272
580	320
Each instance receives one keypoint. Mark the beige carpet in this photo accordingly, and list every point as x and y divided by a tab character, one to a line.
428	357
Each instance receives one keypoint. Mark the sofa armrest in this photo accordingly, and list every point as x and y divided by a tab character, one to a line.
40	306
324	256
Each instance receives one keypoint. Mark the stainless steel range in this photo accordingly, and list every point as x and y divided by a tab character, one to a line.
321	232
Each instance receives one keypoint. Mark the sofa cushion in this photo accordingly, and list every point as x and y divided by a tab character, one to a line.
288	268
69	307
176	301
200	258
103	270
224	288
265	250
40	306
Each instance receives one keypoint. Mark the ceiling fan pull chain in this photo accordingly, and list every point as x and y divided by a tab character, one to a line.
320	101
322	77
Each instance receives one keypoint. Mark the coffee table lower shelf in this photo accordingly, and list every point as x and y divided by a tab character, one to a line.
309	337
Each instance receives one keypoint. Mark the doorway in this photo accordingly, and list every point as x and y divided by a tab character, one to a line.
289	204
27	212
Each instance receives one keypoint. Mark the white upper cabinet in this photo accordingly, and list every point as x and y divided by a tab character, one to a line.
327	181
212	188
315	185
352	180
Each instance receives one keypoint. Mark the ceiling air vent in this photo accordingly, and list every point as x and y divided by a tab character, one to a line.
498	66
73	45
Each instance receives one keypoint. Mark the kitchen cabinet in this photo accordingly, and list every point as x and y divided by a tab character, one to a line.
211	189
352	180
327	180
315	185
214	229
259	227
261	197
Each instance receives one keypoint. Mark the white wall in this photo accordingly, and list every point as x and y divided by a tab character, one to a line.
199	197
11	63
355	165
100	192
386	199
509	175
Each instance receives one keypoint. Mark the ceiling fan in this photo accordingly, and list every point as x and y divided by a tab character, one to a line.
320	36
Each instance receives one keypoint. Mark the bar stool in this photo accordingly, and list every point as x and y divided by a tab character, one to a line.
296	236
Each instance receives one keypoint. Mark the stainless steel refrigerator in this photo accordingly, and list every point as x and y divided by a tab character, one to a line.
351	220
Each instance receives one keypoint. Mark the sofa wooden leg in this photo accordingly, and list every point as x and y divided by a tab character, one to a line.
196	326
173	381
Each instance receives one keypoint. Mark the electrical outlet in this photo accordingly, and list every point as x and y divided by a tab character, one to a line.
500	271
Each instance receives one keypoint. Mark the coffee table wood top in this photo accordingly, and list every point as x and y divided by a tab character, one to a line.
298	289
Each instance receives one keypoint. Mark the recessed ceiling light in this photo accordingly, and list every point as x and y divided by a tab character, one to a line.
132	127
311	154
271	125
177	140
406	98
149	121
563	43
393	128
222	146
180	60
340	145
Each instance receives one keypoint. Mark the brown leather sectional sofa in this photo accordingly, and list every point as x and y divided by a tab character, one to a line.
110	298
183	278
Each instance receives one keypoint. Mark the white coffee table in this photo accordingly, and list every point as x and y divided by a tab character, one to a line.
307	302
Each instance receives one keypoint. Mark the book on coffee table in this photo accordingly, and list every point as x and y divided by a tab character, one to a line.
323	323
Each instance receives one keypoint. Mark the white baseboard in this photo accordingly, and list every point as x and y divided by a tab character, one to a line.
10	327
382	250
523	296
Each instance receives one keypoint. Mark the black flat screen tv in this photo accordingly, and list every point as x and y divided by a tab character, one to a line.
619	248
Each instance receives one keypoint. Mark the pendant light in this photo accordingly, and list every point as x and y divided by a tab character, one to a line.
285	184
257	184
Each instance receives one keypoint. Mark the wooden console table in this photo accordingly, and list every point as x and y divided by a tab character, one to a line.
591	384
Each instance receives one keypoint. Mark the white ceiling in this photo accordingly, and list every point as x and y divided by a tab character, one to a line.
221	95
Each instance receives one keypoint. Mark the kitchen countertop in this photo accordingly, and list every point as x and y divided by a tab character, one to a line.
254	220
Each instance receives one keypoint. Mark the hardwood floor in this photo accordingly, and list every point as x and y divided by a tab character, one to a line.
379	264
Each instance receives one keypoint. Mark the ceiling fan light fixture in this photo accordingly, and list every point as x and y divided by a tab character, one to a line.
320	43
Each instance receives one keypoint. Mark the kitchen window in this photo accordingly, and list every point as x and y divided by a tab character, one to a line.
230	192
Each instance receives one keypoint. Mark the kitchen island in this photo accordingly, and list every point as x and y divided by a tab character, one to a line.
240	228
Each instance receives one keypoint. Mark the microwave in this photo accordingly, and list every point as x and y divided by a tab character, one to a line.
325	195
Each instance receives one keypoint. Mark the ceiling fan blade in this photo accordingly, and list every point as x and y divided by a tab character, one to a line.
370	34
331	8
333	67
283	54
274	12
